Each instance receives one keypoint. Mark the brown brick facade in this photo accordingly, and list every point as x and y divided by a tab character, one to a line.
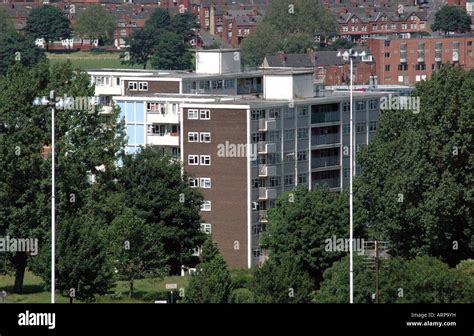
154	87
228	192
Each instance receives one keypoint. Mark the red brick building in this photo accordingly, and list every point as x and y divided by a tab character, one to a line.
407	61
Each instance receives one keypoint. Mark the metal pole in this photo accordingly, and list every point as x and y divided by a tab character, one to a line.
377	293
351	205
53	199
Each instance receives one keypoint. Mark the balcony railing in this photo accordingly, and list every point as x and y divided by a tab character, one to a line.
331	183
249	89
264	171
262	216
323	117
266	125
324	139
326	161
266	147
266	193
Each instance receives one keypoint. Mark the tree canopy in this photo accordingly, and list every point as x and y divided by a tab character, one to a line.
95	22
47	22
452	19
417	173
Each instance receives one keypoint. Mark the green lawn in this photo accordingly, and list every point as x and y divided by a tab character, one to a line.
145	291
88	60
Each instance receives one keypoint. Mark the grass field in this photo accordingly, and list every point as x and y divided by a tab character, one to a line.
145	290
88	60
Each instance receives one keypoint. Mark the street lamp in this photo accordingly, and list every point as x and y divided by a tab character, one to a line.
51	102
351	54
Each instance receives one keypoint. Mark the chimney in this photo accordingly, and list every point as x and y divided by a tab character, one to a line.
282	57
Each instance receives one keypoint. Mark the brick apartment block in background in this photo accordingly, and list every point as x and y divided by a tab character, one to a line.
297	135
408	61
327	67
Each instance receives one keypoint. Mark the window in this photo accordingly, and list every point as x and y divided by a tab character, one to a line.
205	160
132	86
289	180
275	181
302	156
192	114
289	157
303	111
193	182
193	160
346	128
205	114
255	183
346	172
346	106
157	129
229	83
274	136
205	137
289	134
387	55
403	67
274	113
255	206
257	252
361	106
373	104
256	229
421	66
143	86
372	126
360	127
193	136
387	67
289	113
302	133
206	206
206	228
205	182
302	178
152	107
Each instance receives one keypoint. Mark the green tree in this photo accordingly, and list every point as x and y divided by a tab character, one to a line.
417	173
185	25
135	248
83	269
141	45
159	20
48	22
289	26
25	186
15	48
340	43
452	19
211	283
284	281
242	295
301	224
95	22
422	280
155	190
171	53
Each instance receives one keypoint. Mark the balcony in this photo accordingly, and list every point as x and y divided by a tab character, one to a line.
266	147
262	216
325	139
326	161
266	193
324	117
331	182
266	125
249	89
106	110
168	139
264	171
